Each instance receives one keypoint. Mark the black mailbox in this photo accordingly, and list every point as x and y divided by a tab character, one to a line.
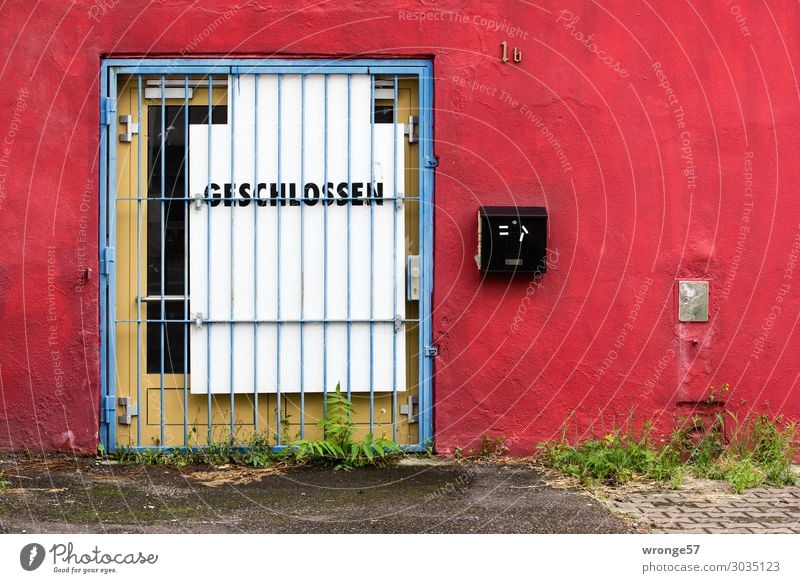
512	238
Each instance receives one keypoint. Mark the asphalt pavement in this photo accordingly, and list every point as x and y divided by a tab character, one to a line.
64	494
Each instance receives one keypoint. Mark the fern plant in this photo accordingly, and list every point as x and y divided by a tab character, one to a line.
337	445
337	425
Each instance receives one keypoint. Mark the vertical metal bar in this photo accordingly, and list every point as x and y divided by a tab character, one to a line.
232	84
139	264
112	287
105	163
208	260
349	205
112	281
426	252
112	275
302	252
186	205
325	255
396	208
278	269
163	237
257	77
371	254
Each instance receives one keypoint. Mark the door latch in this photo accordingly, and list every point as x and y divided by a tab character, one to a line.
413	277
197	201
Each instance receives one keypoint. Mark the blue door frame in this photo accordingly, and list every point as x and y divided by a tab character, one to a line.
111	68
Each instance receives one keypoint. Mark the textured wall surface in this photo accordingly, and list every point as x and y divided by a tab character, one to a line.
660	135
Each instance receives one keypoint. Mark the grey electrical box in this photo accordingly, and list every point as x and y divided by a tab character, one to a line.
512	239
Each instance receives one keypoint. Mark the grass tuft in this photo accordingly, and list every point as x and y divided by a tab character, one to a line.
759	451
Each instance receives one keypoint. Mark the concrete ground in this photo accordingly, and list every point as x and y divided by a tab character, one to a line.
60	494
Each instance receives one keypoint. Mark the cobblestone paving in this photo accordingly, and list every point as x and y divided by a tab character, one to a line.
709	507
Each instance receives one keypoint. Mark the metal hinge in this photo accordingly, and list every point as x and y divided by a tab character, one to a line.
108	409
130	128
407	409
129	410
109	257
431	161
108	111
431	350
411	129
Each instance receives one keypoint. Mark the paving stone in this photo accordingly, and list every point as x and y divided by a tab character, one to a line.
736	525
694	515
655	515
690	530
777	519
740	519
791	509
632	508
732	515
758	513
766	510
680	520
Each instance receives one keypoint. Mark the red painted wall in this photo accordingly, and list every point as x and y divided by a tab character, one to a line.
664	145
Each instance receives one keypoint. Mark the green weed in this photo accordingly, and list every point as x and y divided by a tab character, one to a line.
772	447
256	452
282	435
489	448
741	473
617	458
337	447
492	447
758	451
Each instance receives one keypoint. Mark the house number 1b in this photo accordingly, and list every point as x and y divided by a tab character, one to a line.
504	56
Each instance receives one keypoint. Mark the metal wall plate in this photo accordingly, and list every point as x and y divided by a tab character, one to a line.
692	301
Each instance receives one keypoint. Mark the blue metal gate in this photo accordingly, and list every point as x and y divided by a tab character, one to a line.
265	236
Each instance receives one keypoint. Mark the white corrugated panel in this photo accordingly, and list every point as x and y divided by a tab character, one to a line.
229	279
